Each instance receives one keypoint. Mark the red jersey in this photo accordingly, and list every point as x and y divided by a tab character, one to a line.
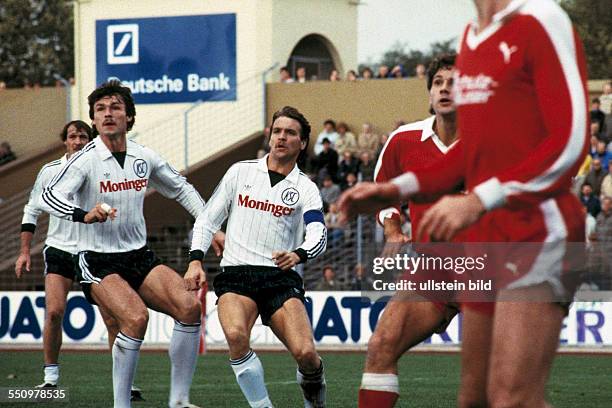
520	90
409	147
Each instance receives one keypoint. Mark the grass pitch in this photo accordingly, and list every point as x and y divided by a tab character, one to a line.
425	380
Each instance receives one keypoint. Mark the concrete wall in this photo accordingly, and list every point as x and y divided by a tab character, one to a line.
379	102
31	119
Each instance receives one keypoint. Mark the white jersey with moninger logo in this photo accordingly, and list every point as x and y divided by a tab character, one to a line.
94	176
62	234
262	218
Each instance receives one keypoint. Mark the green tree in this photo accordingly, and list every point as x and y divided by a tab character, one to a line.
593	21
37	41
397	55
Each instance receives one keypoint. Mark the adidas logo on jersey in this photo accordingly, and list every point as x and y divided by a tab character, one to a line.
110	187
274	209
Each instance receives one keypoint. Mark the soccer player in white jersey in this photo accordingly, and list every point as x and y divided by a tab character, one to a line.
60	247
270	204
116	269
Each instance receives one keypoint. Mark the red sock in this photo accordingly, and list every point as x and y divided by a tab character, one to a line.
377	399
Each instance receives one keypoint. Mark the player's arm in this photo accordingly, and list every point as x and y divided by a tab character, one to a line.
315	239
31	212
207	223
556	64
54	198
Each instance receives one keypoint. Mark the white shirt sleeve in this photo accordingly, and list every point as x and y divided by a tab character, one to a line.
172	184
32	209
54	198
215	212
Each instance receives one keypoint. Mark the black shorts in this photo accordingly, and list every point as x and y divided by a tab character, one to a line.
269	287
132	266
59	262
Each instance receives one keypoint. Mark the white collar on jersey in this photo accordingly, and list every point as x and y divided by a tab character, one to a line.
473	40
293	176
105	153
428	132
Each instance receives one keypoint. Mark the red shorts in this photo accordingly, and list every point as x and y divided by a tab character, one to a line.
543	243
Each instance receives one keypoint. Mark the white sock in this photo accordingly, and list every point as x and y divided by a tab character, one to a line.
380	382
250	376
125	359
183	353
313	387
51	373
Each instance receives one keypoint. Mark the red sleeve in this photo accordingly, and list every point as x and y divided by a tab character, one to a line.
555	61
388	167
441	177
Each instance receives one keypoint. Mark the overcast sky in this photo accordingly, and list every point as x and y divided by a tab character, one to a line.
418	23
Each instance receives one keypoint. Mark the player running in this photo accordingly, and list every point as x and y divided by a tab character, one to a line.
520	89
270	204
116	269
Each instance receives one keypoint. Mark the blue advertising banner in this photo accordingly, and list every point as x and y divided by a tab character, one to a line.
170	59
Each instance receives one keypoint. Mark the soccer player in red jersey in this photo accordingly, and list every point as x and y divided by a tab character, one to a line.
520	90
409	320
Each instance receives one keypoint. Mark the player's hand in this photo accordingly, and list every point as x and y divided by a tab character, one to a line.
218	242
367	198
195	277
23	259
99	214
285	260
450	215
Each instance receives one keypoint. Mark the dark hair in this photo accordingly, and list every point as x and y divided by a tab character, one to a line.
595	100
343	125
79	125
284	68
442	61
331	122
113	88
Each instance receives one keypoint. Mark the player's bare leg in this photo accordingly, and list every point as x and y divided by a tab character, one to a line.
475	352
405	323
115	296
163	290
237	315
56	290
291	325
525	339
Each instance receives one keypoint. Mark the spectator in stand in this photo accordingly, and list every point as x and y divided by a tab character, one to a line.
329	133
351	76
328	281
285	76
606	184
330	192
383	72
597	115
383	141
350	181
367	73
420	71
346	139
367	141
301	75
606	98
397	72
596	176
335	230
603	236
2	85
366	167
348	164
326	162
360	280
594	140
6	154
589	200
334	75
602	154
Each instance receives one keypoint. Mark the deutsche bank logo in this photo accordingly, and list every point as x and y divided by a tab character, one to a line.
122	44
290	196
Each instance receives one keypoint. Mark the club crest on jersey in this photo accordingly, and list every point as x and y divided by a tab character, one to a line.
140	167
290	196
